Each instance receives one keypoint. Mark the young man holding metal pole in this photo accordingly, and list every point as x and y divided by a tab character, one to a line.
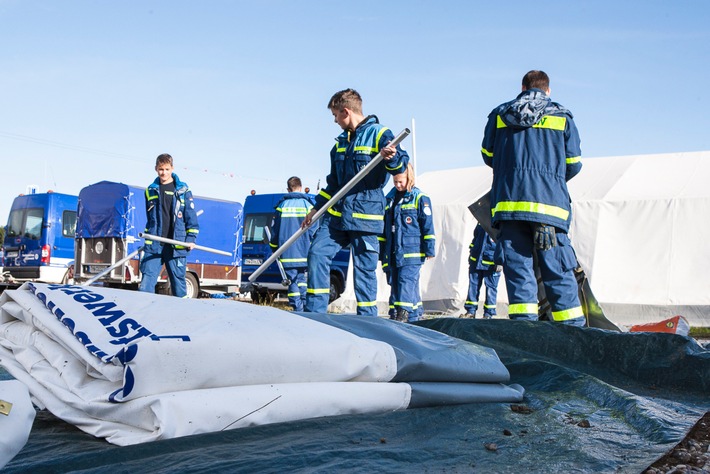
358	218
171	214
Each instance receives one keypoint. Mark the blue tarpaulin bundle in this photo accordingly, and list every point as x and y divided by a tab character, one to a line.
595	401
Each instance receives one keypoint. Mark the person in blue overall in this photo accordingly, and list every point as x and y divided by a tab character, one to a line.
482	269
358	218
290	212
533	146
170	211
406	243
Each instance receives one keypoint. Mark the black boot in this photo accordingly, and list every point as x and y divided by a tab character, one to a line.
402	315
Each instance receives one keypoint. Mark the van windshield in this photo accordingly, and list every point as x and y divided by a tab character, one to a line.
254	227
26	223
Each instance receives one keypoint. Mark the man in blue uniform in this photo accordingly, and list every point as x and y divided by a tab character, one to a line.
171	214
482	269
407	242
533	146
358	218
290	212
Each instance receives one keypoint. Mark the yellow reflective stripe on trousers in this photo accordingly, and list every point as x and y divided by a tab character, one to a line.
367	303
522	308
318	291
486	262
536	207
370	217
566	314
193	231
293	294
573	159
292	260
412	255
427	237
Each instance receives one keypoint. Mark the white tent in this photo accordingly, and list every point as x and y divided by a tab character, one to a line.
640	228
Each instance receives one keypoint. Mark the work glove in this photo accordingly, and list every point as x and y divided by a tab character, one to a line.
545	237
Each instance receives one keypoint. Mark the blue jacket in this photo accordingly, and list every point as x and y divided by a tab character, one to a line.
185	226
363	207
532	144
290	212
482	250
413	238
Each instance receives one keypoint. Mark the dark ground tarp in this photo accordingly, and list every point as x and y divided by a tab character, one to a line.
598	402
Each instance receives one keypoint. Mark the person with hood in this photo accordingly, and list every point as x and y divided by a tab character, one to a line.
170	211
358	218
533	146
407	242
290	212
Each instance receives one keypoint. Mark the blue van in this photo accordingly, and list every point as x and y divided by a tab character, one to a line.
39	238
259	211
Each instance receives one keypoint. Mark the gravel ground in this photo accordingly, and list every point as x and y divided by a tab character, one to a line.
692	455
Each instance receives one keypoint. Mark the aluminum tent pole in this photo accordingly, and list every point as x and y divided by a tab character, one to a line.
331	202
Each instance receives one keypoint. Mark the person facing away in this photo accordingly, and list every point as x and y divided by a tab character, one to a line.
290	213
171	214
358	218
482	269
533	146
407	242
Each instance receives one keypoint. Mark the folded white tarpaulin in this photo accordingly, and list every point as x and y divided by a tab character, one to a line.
16	417
135	367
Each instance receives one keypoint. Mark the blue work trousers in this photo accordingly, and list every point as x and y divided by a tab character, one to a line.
152	264
476	278
404	291
325	244
297	287
556	265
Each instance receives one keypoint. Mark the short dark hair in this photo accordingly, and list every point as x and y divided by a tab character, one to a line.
293	183
348	98
164	159
536	80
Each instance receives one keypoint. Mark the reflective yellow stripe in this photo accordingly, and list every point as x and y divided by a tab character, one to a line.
385	265
566	314
391	168
522	308
324	194
412	255
486	262
489	154
427	237
371	217
409	206
489	306
302	284
381	239
499	122
193	231
335	213
340	149
551	122
293	294
318	291
148	242
367	303
474	303
273	246
536	207
408	305
573	159
474	259
292	260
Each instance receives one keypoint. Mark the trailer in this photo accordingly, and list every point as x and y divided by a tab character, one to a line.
39	239
259	211
111	216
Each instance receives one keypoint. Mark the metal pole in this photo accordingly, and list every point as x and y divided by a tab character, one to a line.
178	242
108	270
331	202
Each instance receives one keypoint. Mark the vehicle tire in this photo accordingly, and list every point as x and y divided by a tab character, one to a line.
336	287
192	285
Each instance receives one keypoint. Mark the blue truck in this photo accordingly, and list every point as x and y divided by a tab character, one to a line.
259	211
39	239
112	215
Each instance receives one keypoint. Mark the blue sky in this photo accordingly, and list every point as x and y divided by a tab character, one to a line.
236	91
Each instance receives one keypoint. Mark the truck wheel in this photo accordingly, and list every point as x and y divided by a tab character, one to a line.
192	286
336	287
